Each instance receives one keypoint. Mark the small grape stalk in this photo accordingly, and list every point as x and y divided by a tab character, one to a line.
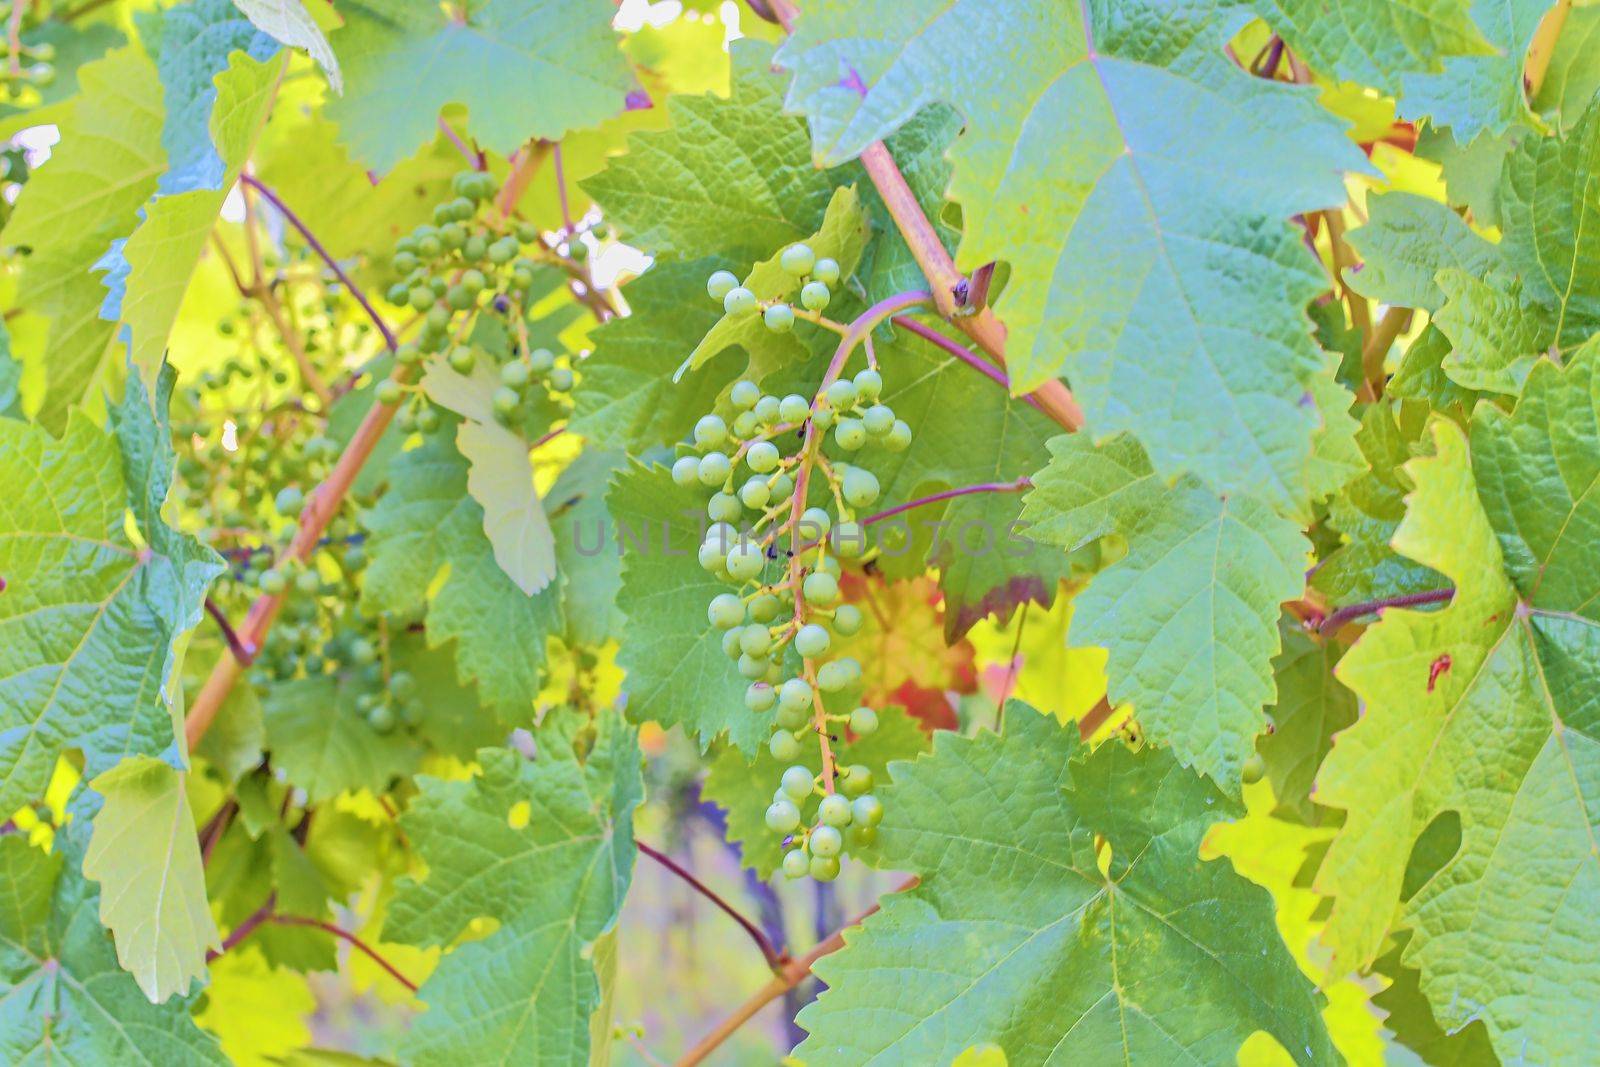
473	260
780	625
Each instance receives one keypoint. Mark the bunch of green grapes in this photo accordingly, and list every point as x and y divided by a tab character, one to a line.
755	472
22	76
472	260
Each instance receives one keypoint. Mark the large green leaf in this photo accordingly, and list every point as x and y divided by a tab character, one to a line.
1485	711
88	614
146	857
523	68
1311	708
1474	94
1153	271
1190	615
289	22
1024	934
87	196
1374	42
1573	78
62	996
544	848
322	741
428	530
1406	241
730	177
1495	332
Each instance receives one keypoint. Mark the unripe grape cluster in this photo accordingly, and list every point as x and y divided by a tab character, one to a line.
471	259
783	560
33	69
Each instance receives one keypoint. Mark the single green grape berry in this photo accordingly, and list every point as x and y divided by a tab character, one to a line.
812	641
795	864
739	301
863	721
458	297
730	643
814	524
823	868
527	233
834	810
879	419
724	507
869	385
388	391
755	493
402	684
821	589
866	810
721	283
849	540
521	278
744	393
898	439
289	500
452	235
725	611
1254	769
783	746
462	208
831	677
783	816
814	296
793	409
760	696
540	360
462	359
752	667
798	782
428	420
710	431
745	425
381	718
768	410
792	718
429	246
856	779
516	374
714	468
463	181
860	487
577	251
764	608
421	297
404	262
763	457
826	271
503	251
849	434
712	557
795	693
308	582
561	379
505	402
273	583
779	318
826	841
798	259
398	293
362	651
782	486
686	471
745	561
842	394
755	640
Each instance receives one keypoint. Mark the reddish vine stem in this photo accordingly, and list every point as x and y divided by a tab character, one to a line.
1337	619
561	188
475	159
346	936
246	928
775	958
1016	486
242	652
964	354
317	246
789	975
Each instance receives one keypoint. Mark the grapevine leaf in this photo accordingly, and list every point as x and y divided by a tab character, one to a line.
591	566
743	789
1573	78
1495	333
1311	708
1162	276
1506	669
75	43
1374	42
921	150
427	526
65	997
322	741
499	476
257	1011
1410	1018
523	68
1018	936
1550	210
841	237
1478	93
146	857
1406	241
729	177
233	744
88	616
163	252
629	399
1190	615
1422	375
677	673
89	194
288	22
545	848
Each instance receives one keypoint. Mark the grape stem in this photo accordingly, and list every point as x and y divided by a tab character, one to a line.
775	957
475	159
317	246
788	976
267	914
242	652
1337	619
